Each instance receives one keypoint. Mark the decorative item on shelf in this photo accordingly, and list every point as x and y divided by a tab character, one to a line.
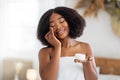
113	7
110	6
116	25
18	67
82	3
92	7
117	9
31	74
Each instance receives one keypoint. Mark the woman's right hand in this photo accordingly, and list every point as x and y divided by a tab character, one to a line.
51	38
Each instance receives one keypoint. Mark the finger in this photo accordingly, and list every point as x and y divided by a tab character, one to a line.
47	35
77	61
90	58
51	29
48	38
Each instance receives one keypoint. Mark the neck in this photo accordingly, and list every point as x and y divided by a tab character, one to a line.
67	42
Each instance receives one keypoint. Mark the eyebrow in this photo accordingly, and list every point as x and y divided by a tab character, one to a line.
57	19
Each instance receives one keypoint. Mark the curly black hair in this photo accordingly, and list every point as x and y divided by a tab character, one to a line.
75	22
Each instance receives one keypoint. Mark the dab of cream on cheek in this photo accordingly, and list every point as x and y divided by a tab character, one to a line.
80	56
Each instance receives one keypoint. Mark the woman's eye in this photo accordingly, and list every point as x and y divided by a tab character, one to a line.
61	20
52	24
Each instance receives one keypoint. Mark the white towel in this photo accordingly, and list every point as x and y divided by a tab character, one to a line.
69	70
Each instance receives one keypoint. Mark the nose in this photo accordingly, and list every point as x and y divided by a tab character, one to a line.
58	26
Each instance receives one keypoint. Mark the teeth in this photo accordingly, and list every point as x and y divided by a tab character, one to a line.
60	32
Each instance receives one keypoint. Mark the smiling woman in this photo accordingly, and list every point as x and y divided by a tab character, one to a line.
57	29
56	22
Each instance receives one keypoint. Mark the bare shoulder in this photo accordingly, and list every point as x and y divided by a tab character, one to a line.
44	52
84	44
85	47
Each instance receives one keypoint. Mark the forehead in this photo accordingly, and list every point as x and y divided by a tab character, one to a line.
55	16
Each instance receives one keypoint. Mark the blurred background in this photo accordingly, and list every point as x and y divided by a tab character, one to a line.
19	46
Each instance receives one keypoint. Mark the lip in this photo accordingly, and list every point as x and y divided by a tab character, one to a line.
60	31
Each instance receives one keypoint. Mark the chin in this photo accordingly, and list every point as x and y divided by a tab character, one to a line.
61	37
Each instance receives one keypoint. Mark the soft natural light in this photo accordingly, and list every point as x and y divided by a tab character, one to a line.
31	74
22	16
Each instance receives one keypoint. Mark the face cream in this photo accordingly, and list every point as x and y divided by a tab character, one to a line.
80	56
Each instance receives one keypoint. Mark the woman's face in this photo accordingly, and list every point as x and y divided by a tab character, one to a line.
60	25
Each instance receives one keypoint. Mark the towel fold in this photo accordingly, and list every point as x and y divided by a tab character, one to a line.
69	70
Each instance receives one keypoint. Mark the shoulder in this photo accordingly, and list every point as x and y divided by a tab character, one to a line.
85	46
45	51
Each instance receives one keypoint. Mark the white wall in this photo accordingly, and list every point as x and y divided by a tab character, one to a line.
98	33
18	24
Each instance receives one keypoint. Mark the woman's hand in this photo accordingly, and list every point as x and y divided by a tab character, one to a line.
51	38
90	58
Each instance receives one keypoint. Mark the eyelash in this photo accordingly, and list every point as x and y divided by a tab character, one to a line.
60	21
52	25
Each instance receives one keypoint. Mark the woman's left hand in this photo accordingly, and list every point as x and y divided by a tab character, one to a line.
90	58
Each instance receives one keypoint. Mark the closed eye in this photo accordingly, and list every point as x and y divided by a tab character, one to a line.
61	20
52	24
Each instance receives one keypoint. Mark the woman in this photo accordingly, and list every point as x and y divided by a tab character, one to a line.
58	28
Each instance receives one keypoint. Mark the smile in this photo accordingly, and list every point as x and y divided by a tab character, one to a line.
60	32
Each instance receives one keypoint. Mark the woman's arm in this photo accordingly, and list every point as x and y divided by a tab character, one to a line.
48	64
48	67
89	67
